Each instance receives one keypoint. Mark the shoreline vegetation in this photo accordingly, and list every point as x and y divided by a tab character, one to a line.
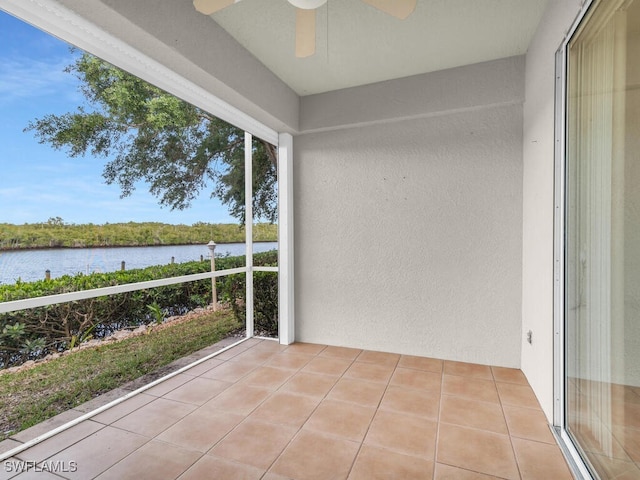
55	233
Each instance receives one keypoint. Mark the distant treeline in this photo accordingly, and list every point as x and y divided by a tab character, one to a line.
56	233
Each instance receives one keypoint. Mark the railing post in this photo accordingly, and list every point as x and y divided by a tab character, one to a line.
214	294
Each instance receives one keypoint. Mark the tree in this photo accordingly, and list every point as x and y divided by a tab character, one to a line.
149	135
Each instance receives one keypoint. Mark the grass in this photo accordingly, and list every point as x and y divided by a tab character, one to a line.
31	396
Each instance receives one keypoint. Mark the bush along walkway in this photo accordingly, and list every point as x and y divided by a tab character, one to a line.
35	333
33	394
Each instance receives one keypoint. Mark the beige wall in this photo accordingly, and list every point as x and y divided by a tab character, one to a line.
408	232
538	193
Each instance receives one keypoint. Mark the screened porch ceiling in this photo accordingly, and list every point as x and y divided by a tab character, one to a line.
357	44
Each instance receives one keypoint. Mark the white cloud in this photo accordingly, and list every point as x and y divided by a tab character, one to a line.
28	78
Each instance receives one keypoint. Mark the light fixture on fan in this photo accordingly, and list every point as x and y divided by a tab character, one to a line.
306	16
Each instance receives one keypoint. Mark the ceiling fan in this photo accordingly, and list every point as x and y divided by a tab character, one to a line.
306	16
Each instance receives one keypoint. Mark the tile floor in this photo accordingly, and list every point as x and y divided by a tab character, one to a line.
265	411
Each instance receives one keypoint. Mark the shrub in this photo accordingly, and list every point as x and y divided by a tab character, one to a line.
34	333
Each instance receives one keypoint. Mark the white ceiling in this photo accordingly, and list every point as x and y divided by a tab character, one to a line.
357	44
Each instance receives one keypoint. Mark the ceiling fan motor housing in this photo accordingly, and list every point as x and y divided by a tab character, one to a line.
307	4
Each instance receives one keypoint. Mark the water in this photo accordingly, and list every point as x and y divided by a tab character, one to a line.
30	265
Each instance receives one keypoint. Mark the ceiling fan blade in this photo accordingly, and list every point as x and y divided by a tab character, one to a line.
209	7
398	8
305	32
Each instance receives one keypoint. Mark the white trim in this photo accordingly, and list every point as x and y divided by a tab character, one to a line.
286	307
265	269
15	305
86	416
248	229
65	24
559	244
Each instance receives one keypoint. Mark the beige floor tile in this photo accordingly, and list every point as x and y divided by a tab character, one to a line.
286	409
59	442
517	395
210	467
371	372
255	443
407	377
305	348
292	361
314	456
240	398
310	384
99	451
125	408
36	474
255	356
411	402
509	375
358	391
198	391
327	366
468	370
154	417
342	419
8	444
470	388
341	352
274	476
11	467
625	414
167	385
528	423
403	434
271	345
232	352
477	450
379	464
629	439
230	371
155	460
469	413
203	367
200	430
447	472
379	358
421	363
540	461
268	377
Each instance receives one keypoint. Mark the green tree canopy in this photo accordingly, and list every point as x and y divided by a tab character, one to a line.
149	135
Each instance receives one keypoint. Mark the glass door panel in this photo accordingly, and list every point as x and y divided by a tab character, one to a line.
602	270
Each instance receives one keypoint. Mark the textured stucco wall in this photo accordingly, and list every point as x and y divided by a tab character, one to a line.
408	235
538	192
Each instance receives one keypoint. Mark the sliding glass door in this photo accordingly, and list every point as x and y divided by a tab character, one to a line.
602	239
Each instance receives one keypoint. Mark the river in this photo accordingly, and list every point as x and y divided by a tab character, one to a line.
30	265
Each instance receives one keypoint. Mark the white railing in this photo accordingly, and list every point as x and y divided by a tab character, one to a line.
15	305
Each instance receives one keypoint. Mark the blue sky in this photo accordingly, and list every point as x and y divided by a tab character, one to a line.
37	182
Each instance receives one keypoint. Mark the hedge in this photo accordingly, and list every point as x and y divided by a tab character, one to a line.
34	333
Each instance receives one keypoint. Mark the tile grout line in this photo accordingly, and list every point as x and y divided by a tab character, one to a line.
504	416
295	435
386	388
437	445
